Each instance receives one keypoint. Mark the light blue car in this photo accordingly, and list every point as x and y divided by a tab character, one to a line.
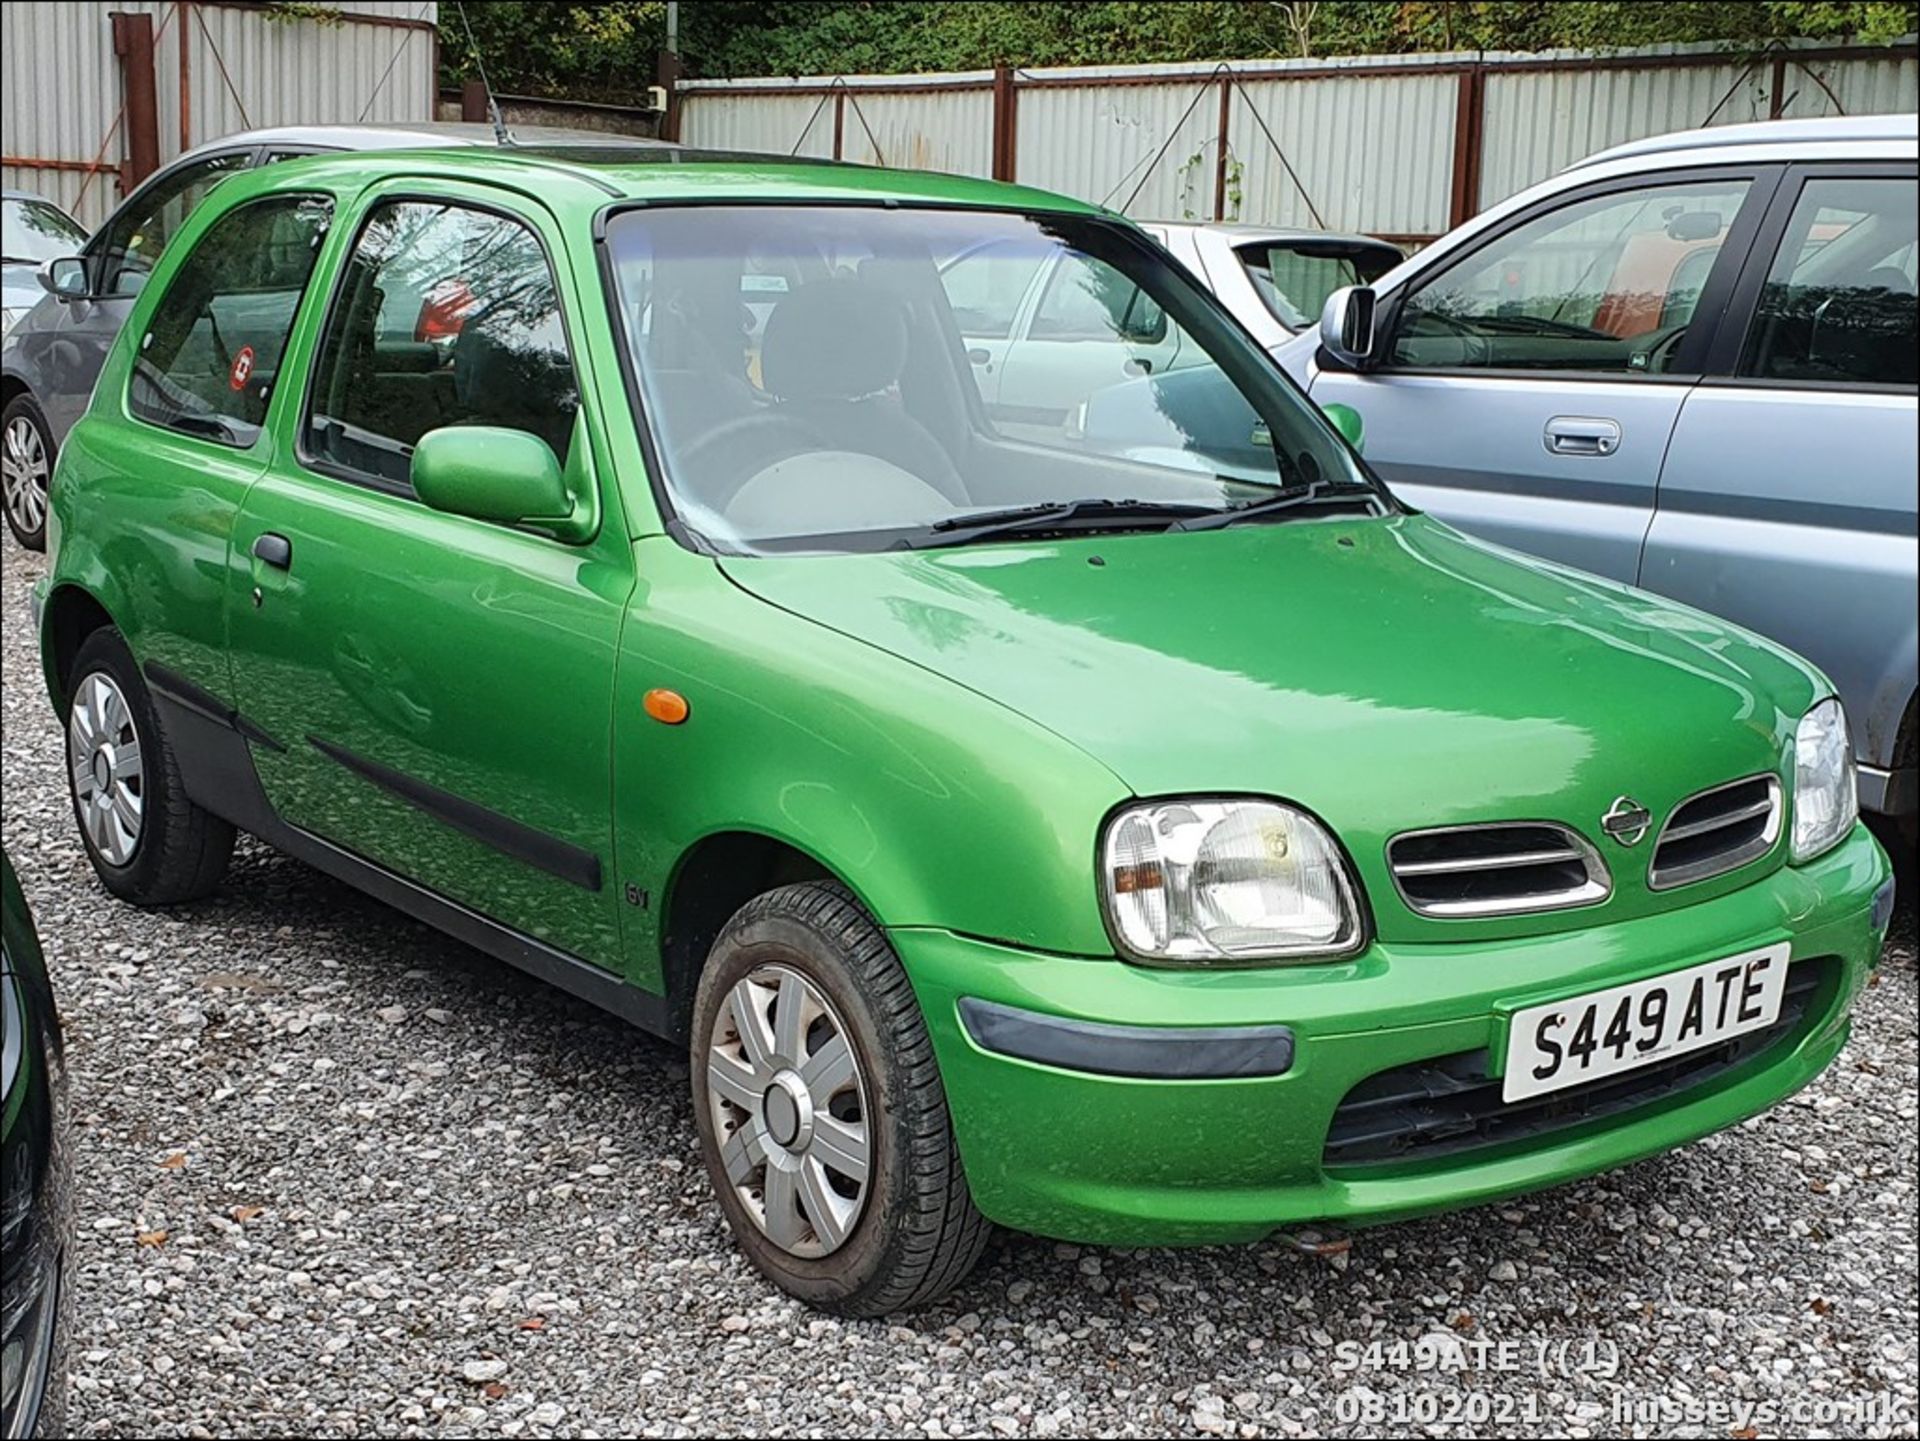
1688	363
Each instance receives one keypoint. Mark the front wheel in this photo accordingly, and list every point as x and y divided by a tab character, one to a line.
821	1115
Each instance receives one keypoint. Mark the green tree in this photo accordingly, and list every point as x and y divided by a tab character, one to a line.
608	51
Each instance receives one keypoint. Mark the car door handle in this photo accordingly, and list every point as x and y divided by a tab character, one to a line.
1582	435
273	550
979	355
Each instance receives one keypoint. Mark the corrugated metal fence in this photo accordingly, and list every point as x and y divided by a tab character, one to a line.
1402	146
76	132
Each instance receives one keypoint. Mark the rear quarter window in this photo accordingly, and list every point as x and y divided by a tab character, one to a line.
210	353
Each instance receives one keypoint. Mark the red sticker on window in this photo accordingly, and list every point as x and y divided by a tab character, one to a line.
242	368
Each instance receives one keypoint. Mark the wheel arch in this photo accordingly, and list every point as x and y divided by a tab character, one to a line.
712	879
72	614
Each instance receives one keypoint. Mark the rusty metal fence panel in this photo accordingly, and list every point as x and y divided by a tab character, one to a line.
1402	146
1374	153
948	130
1148	147
62	116
772	123
248	71
61	98
1538	122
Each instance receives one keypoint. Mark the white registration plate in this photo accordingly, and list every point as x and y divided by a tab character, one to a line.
1588	1038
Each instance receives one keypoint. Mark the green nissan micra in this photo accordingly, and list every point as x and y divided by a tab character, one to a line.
1061	789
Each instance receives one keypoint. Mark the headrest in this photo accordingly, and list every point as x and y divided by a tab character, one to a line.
838	339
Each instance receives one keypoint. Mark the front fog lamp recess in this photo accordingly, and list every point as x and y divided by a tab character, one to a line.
1223	881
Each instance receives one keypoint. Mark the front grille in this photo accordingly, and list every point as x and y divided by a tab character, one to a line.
1716	831
1450	1104
1496	870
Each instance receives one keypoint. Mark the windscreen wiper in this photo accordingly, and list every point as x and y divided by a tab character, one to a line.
1051	516
1270	506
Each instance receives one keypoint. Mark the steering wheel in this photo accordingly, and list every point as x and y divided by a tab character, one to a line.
1475	348
718	463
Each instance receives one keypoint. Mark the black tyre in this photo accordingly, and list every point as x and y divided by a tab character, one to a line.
26	470
148	843
821	1114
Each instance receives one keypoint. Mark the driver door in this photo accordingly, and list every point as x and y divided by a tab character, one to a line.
1531	383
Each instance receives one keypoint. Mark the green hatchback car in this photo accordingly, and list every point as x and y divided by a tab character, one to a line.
1141	829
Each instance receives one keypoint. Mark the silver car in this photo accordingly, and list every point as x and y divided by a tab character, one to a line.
1689	364
53	353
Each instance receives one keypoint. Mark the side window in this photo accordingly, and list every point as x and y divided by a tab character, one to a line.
211	350
135	238
1606	284
985	286
1088	300
1838	304
444	315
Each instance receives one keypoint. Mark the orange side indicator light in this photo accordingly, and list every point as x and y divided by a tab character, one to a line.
668	707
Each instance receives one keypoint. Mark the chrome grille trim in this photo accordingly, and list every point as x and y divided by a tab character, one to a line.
1500	868
1746	828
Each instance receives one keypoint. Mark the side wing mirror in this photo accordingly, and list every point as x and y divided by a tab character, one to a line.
495	473
65	277
1346	326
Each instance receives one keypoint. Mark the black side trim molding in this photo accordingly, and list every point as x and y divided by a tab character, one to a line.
219	774
503	833
1142	1052
178	689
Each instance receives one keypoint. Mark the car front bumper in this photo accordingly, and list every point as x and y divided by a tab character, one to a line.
1234	1148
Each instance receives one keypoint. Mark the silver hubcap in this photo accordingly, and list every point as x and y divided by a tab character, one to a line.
789	1108
109	782
23	466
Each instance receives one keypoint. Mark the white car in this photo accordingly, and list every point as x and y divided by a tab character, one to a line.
1041	322
1274	280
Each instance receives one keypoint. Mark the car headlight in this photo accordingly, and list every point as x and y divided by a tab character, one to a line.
10	317
1826	800
1225	882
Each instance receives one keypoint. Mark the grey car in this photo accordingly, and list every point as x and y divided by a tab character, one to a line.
53	353
1689	364
33	230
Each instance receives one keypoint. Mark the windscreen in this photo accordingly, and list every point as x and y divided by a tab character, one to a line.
855	377
36	232
1294	281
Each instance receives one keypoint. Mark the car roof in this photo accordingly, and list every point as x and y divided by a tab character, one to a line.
25	195
413	137
1822	131
1242	233
678	174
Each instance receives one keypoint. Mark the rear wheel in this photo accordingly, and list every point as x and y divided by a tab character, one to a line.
821	1115
26	470
148	843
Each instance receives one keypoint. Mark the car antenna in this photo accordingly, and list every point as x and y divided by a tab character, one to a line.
500	136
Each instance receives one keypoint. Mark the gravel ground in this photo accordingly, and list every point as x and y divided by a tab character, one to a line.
339	1175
